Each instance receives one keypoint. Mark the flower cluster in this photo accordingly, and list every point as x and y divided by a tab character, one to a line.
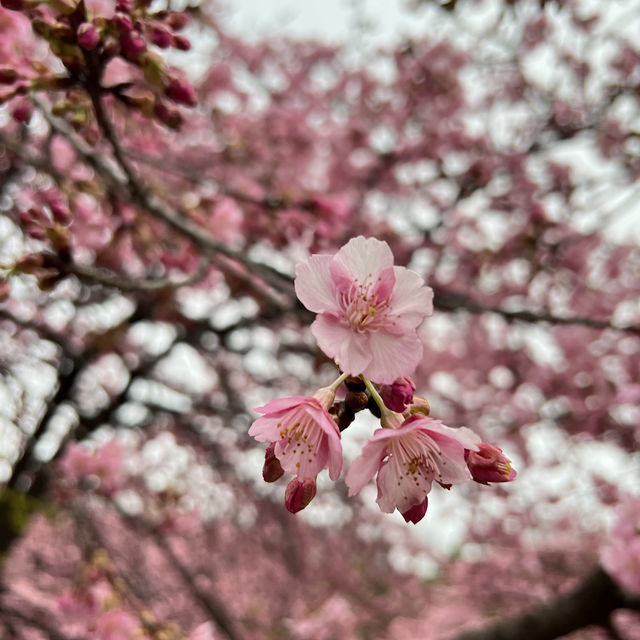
369	312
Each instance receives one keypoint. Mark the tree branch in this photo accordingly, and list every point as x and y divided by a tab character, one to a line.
454	301
590	603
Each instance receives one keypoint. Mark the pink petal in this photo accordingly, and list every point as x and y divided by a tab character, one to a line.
314	285
364	257
392	356
411	299
398	489
347	347
364	467
282	404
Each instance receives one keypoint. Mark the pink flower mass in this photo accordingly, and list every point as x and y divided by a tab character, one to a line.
407	460
306	437
368	309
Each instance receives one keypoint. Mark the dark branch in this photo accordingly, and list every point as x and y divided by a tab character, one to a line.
590	603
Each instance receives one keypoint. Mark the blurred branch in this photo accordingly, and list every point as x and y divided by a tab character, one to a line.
590	603
454	301
36	619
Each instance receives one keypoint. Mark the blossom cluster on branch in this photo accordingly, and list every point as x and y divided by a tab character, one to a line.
369	312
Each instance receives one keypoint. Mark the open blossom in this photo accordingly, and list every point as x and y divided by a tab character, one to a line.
305	436
407	460
369	310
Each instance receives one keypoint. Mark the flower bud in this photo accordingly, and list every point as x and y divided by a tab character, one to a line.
181	43
132	44
169	117
419	405
356	400
22	111
182	92
161	36
88	36
8	75
489	464
177	20
399	394
122	22
299	494
271	470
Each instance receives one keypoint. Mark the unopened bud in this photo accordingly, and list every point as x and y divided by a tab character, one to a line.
356	400
88	36
122	22
398	395
132	44
271	470
181	43
8	75
170	117
22	111
161	36
298	494
182	92
489	464
177	20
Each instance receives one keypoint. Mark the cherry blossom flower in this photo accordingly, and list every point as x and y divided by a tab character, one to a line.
306	438
489	464
369	310
407	460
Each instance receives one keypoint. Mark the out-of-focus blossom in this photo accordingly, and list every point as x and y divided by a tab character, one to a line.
368	309
621	555
116	625
407	460
105	464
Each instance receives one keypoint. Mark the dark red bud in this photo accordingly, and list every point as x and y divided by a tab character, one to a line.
88	36
14	5
170	117
161	37
181	43
356	400
182	92
23	111
132	45
8	75
177	20
298	494
122	22
124	6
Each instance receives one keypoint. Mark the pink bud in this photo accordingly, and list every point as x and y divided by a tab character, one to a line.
122	22
88	36
416	513
161	36
271	470
177	20
181	43
23	111
132	45
124	6
8	75
167	116
398	394
182	92
489	464
299	494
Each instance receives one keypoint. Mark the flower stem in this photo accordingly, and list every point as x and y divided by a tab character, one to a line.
388	418
336	383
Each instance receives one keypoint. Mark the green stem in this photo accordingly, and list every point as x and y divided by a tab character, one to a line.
334	385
